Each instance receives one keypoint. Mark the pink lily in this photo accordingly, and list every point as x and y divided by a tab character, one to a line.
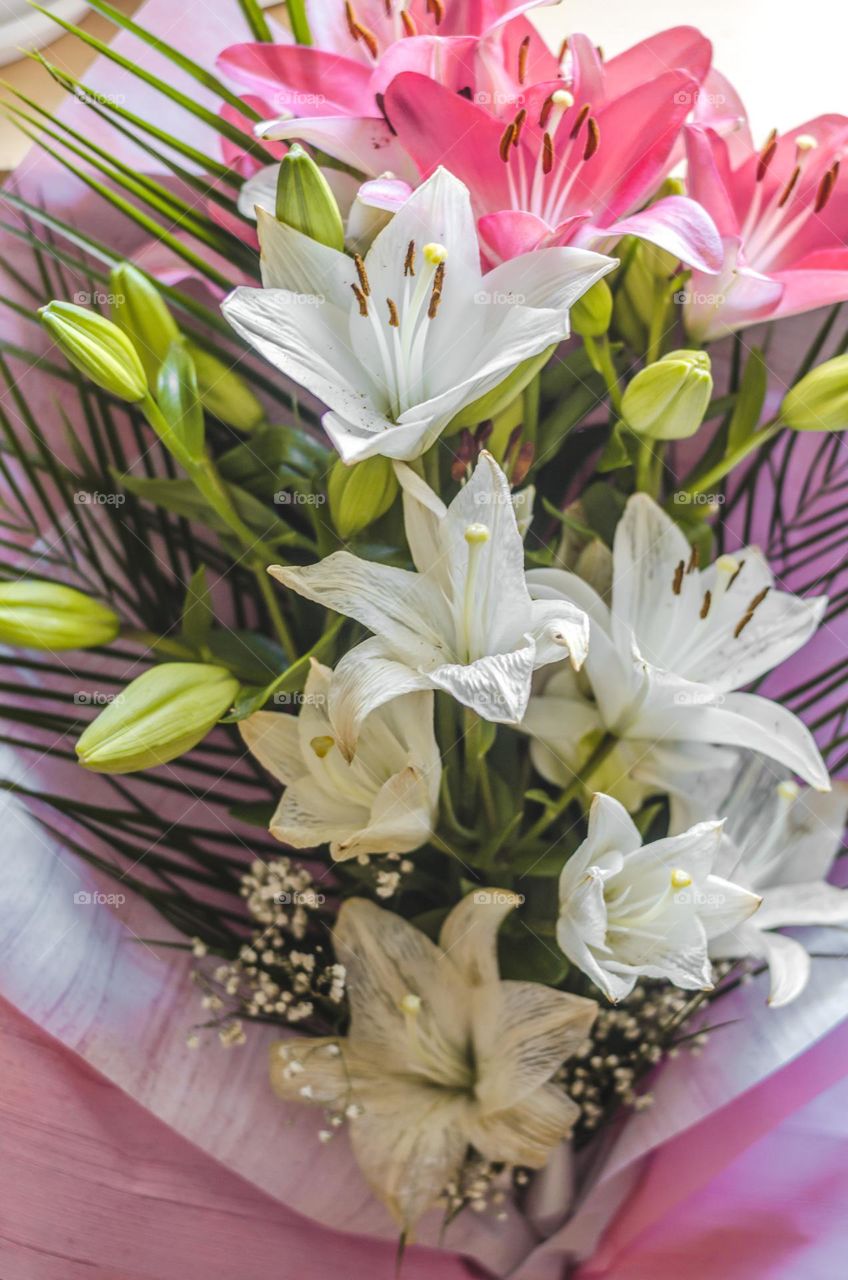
331	94
783	219
563	171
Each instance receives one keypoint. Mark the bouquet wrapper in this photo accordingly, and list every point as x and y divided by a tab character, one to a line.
196	1169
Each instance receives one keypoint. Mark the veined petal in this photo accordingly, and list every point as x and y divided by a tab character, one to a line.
677	224
497	686
291	260
746	720
401	819
611	830
367	677
523	1032
380	438
559	629
315	1064
469	934
525	1134
814	903
309	815
259	191
553	278
423	513
365	144
307	339
648	549
396	604
724	905
789	967
294	76
272	737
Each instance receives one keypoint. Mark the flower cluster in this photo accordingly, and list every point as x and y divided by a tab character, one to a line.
515	640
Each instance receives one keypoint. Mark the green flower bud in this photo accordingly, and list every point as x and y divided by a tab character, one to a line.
668	400
591	314
46	615
97	347
140	311
178	398
159	716
224	394
360	494
819	402
305	201
644	286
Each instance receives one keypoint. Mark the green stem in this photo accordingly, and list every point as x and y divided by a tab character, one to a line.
732	459
605	365
298	21
149	640
572	791
275	613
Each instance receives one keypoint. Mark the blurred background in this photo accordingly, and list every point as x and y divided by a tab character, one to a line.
788	59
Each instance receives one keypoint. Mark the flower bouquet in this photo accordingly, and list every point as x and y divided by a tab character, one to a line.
420	518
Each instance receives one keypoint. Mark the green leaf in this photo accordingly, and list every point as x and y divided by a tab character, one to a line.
750	400
197	611
248	654
182	499
256	20
277	457
291	681
526	957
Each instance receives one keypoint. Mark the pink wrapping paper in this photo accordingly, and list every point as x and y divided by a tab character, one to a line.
172	1152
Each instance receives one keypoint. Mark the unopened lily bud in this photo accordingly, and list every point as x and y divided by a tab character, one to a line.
159	716
46	615
668	400
819	402
644	286
98	348
140	311
179	399
591	314
305	201
360	494
224	393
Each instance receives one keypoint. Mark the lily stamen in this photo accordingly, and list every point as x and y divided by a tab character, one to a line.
766	155
359	31
750	611
364	282
523	52
677	581
593	140
826	186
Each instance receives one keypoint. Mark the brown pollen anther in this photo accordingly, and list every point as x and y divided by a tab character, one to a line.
545	113
364	282
790	186
563	50
408	21
694	560
736	574
506	141
436	10
705	607
766	155
359	31
593	140
547	153
409	260
361	299
523	52
677	581
826	186
581	116
750	611
520	117
394	319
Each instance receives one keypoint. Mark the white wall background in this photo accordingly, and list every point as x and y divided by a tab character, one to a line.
787	60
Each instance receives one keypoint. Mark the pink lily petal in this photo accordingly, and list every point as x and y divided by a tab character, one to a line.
678	48
629	163
448	61
681	227
708	177
301	79
466	140
235	156
720	107
818	281
511	232
385	193
365	144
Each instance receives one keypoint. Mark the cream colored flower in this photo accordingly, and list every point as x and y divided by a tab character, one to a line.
441	1053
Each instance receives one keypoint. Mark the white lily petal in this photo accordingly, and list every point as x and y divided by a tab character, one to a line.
611	829
365	144
553	278
308	816
497	687
402	607
524	1032
354	442
469	934
366	678
789	968
815	903
526	1134
400	821
273	738
293	261
259	191
648	548
423	513
559	630
725	905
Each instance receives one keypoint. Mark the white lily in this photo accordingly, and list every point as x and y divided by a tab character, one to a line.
396	344
781	842
441	1054
384	801
464	623
665	658
629	910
